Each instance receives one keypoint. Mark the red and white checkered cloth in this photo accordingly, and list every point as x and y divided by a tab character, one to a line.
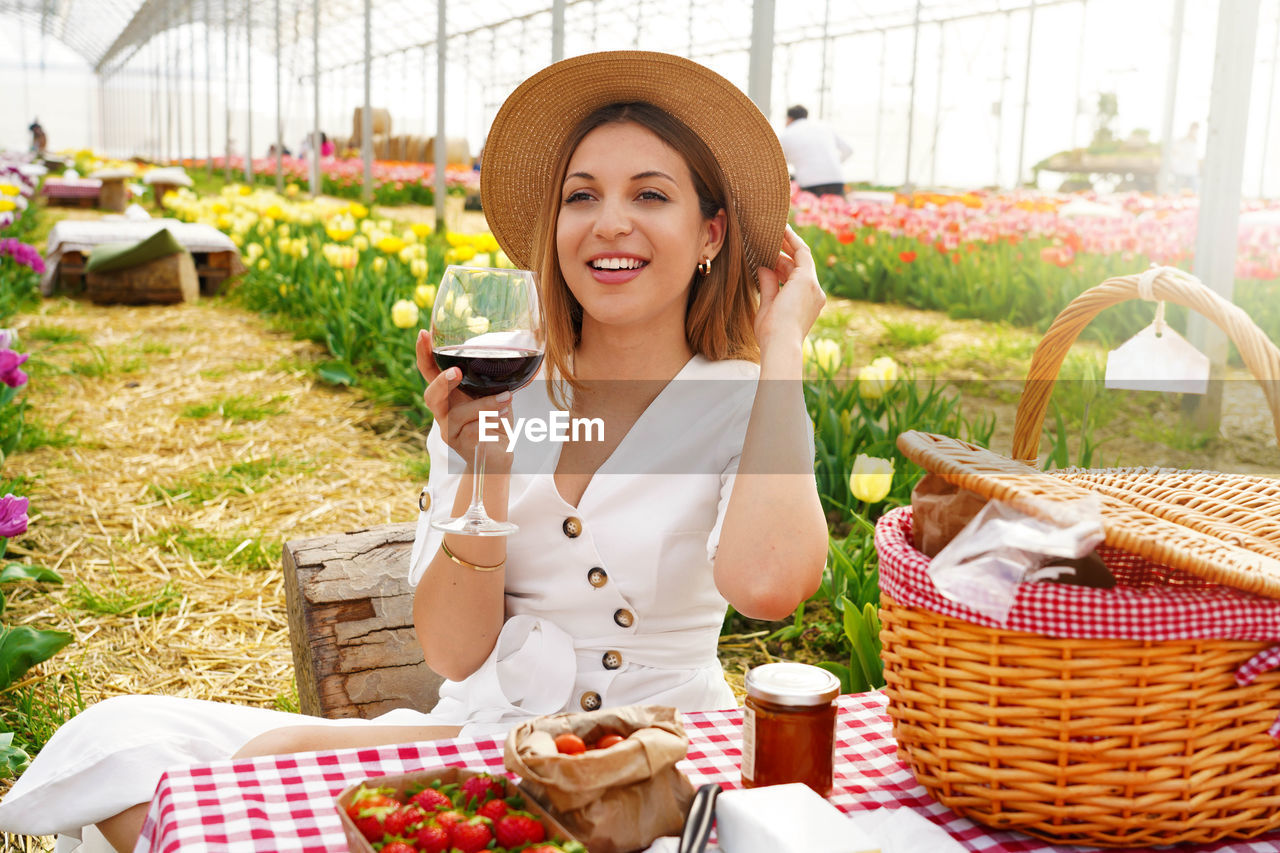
71	187
286	803
1149	602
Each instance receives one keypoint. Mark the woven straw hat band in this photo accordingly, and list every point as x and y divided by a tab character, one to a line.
529	131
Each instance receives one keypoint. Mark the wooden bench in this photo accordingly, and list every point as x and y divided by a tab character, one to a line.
351	624
212	269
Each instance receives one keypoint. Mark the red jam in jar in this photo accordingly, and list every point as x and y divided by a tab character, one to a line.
789	726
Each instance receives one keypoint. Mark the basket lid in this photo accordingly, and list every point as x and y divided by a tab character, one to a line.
1224	528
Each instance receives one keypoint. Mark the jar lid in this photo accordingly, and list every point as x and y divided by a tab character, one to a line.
792	684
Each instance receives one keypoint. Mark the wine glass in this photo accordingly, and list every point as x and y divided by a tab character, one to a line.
487	323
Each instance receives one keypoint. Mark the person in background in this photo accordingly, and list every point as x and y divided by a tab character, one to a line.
327	148
39	142
1184	161
815	153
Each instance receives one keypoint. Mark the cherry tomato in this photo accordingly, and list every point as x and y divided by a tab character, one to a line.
570	744
608	740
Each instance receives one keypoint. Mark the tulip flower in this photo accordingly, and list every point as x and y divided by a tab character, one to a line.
13	516
379	265
11	363
404	314
877	378
424	295
871	479
390	244
418	267
421	229
823	353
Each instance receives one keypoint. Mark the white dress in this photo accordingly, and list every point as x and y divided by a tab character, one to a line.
608	603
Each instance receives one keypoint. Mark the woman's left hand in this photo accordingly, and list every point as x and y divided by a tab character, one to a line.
790	296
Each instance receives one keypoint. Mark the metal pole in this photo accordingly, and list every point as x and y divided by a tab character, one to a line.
937	106
191	74
1075	116
226	90
884	38
439	148
760	70
1026	91
248	87
315	106
279	119
1218	222
557	30
208	94
1004	80
168	88
366	118
1271	97
911	100
826	43
1170	95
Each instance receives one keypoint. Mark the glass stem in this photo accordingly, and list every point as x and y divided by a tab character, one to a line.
477	486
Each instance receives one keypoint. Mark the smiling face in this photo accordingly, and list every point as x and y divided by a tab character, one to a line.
630	231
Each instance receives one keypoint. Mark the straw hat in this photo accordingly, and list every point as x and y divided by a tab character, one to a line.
529	130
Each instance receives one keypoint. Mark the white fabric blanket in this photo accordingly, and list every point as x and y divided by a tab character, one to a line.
82	235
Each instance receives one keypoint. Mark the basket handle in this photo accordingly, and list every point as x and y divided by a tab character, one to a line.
1258	352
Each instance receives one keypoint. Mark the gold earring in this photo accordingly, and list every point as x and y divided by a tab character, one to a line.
704	267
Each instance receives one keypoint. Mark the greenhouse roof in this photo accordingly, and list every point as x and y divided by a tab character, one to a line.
106	33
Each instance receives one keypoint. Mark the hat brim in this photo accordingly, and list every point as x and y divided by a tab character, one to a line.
534	122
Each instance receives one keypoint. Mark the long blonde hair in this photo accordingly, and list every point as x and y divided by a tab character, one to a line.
720	315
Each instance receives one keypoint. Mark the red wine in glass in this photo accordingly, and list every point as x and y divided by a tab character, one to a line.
489	370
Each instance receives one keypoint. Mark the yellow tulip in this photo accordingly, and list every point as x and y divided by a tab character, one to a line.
424	295
421	229
877	378
264	264
379	265
404	314
338	232
243	190
361	242
419	269
477	325
358	210
390	244
871	479
824	353
292	190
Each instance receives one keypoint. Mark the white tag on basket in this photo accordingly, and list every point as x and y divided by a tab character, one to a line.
1158	359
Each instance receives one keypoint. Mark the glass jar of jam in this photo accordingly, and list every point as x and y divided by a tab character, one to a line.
789	726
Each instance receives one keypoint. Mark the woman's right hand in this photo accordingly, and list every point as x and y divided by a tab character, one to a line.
458	414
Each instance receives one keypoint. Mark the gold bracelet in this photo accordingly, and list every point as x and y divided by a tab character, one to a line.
467	565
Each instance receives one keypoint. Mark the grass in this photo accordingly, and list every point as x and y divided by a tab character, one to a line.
100	365
239	552
908	335
35	711
244	478
417	468
35	433
55	335
123	600
238	407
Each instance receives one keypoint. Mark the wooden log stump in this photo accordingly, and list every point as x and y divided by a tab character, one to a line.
351	624
163	281
114	195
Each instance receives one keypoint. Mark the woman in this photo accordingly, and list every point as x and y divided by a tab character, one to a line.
650	196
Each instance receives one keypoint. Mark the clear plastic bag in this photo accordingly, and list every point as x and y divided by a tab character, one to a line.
1002	547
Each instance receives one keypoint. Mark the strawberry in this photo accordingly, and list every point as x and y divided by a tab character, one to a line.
482	788
493	809
432	838
471	836
370	798
402	821
449	819
518	828
431	800
398	847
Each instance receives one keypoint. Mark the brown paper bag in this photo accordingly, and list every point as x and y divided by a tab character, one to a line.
614	800
939	511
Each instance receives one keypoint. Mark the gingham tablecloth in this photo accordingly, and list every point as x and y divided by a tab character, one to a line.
286	803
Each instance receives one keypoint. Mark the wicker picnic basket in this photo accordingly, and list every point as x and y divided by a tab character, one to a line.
1140	715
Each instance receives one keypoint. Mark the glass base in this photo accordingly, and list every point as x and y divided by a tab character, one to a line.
476	526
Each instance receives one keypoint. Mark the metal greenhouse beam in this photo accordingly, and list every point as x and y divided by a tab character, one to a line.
760	67
1170	95
366	118
208	93
1218	222
248	110
557	30
226	91
279	117
441	146
1026	94
315	90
